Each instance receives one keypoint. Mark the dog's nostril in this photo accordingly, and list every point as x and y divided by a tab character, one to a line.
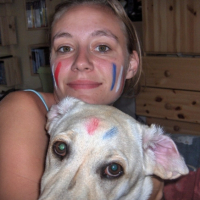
72	184
60	149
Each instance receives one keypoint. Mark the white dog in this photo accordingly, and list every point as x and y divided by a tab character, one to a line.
97	152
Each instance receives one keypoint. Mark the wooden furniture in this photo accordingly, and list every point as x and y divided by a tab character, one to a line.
10	73
171	26
170	94
39	56
36	14
7	30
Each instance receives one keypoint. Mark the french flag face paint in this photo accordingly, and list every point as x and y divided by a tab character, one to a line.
114	76
53	68
57	72
119	82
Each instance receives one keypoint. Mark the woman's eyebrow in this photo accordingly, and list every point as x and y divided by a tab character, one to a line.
60	35
97	33
105	33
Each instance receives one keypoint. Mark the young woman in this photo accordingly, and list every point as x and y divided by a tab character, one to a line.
94	51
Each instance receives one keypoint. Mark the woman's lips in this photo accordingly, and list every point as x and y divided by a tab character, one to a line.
83	84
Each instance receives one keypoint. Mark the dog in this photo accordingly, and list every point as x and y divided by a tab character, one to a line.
97	152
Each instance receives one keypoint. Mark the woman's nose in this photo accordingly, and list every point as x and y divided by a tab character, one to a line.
82	62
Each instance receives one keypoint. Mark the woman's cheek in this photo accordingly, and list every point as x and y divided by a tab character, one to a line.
120	81
57	69
114	72
117	84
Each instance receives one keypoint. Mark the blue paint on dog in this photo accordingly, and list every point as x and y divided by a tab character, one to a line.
114	76
110	133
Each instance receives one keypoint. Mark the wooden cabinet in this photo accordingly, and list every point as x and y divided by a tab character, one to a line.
170	94
171	26
10	74
171	72
7	30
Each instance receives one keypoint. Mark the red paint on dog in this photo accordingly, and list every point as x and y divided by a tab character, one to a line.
92	125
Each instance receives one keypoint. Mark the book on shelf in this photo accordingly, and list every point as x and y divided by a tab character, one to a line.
36	14
40	57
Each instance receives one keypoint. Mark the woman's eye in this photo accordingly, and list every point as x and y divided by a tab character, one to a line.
65	49
102	48
60	149
113	170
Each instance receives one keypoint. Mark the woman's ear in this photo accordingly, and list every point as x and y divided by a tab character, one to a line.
133	65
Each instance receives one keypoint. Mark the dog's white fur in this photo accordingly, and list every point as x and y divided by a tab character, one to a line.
140	150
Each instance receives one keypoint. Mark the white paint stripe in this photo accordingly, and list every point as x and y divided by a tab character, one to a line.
119	79
55	85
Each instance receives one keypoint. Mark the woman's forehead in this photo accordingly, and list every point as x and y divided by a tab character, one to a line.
86	15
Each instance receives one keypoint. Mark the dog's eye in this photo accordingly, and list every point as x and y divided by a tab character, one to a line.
113	170
60	149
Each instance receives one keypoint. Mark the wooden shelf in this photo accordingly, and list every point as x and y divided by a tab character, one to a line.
10	71
39	56
36	14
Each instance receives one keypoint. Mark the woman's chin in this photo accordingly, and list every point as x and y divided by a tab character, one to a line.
91	98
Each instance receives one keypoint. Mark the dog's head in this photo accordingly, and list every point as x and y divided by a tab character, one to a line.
98	152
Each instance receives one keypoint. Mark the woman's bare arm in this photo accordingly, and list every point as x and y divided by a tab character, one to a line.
158	186
23	144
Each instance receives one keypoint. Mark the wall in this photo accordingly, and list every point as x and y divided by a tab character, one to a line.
25	38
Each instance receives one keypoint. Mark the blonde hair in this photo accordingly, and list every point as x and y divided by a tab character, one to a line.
133	44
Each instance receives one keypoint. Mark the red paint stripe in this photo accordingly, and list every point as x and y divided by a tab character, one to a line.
57	71
92	126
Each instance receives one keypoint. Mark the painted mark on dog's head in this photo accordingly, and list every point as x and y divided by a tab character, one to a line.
92	125
110	133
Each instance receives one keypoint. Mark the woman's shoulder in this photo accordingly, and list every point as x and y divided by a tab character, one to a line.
27	100
22	122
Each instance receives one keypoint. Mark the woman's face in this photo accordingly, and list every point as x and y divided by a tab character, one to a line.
89	57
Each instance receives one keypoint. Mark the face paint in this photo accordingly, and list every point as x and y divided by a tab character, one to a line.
57	71
119	79
92	125
53	68
114	76
109	134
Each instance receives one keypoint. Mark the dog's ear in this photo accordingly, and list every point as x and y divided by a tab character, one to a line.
161	155
60	109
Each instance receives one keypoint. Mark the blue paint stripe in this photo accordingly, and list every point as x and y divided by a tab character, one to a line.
110	133
114	76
